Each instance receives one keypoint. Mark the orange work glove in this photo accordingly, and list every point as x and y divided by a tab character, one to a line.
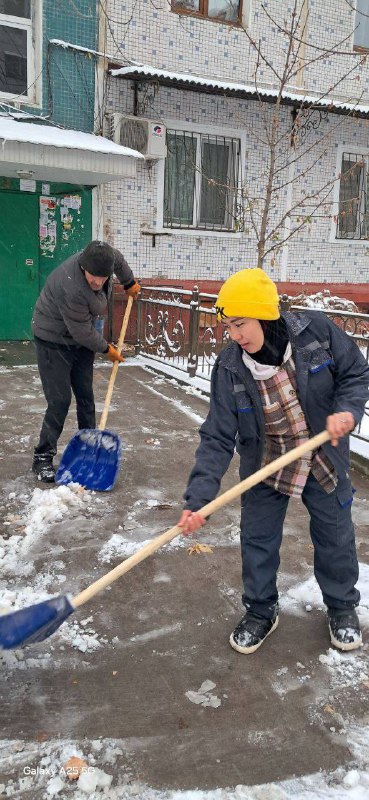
134	290
113	355
190	521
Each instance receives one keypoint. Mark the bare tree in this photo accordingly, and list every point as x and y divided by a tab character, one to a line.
291	159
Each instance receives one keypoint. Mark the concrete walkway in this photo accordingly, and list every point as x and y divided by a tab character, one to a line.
163	628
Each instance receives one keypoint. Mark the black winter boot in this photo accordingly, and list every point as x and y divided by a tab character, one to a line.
344	628
251	631
43	467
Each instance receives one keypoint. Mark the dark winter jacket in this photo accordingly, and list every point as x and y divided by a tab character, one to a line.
332	375
67	307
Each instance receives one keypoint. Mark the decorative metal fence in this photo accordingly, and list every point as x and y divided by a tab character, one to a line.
178	327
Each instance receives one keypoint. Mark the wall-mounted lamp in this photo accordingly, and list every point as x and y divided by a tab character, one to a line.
24	173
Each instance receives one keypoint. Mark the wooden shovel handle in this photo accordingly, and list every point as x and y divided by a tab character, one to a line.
205	511
104	415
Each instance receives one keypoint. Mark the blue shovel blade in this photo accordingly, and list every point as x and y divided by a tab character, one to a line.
35	623
92	459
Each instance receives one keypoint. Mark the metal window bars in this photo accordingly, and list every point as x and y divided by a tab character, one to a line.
201	181
352	219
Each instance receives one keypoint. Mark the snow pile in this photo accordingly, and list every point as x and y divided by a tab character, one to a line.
41	768
13	599
85	640
46	507
51	505
325	301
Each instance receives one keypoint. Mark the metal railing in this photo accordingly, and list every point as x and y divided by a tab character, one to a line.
178	327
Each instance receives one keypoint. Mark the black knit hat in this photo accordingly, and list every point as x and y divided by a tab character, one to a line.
98	259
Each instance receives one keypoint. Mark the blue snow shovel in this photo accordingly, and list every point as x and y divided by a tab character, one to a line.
92	456
38	622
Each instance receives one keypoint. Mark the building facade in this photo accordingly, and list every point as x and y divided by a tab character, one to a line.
51	164
210	77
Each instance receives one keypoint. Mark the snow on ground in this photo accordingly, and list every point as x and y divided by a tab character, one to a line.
176	403
197	384
306	596
20	584
121	546
40	767
45	507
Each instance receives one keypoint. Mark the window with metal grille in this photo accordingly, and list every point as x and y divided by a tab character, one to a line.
200	181
229	11
353	217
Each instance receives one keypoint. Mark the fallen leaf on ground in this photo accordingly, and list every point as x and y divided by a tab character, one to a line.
74	767
197	548
42	736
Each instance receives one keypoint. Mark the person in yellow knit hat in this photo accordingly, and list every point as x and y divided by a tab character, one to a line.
281	379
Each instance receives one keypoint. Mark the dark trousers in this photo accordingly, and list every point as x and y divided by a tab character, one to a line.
332	534
64	370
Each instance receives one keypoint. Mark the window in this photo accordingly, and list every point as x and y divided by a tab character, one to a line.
353	213
200	181
17	52
361	32
229	11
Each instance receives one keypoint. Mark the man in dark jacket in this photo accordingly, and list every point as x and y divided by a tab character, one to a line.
279	381
73	298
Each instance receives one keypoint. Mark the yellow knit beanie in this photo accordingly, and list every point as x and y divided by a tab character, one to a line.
248	293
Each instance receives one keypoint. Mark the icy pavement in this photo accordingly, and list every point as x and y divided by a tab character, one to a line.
141	682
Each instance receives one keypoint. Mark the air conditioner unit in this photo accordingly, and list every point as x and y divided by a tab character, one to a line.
144	135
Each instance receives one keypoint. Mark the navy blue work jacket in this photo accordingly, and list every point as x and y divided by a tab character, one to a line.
332	375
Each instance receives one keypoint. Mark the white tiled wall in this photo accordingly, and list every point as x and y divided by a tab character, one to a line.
157	36
150	33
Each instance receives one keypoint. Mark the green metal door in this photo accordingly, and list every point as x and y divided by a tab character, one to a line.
19	263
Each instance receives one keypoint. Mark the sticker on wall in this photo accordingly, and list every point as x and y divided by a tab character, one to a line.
72	201
47	230
69	212
27	185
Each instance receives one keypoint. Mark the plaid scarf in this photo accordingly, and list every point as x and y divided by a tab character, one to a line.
286	428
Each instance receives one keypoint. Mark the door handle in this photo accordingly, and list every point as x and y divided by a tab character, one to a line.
32	269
